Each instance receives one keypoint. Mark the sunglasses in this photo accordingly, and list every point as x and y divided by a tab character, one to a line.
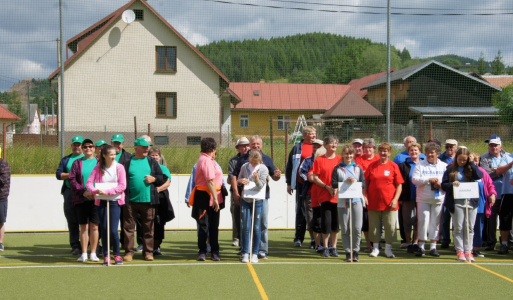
87	147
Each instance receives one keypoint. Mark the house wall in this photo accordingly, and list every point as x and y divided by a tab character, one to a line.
259	121
115	80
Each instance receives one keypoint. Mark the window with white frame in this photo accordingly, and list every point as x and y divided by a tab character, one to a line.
244	121
282	124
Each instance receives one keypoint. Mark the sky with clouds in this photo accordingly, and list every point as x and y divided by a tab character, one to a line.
29	28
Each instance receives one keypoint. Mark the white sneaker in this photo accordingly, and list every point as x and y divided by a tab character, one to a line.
245	258
93	257
254	258
82	258
389	253
374	253
404	245
235	243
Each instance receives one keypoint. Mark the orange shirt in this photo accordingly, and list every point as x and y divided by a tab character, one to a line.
364	162
381	180
323	167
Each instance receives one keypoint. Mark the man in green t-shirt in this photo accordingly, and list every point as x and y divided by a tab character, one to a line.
70	213
143	176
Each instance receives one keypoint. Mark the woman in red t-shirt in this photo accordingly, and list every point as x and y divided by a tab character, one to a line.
384	181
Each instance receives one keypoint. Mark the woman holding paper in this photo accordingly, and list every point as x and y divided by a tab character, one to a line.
384	181
253	176
349	209
427	176
110	174
463	211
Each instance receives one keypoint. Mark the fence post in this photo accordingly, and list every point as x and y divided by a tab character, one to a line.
135	128
271	136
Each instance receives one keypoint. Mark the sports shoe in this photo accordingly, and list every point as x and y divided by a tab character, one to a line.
139	248
106	261
128	257
374	253
312	244
490	247
235	243
245	258
319	249
262	255
1	247
297	243
477	253
469	256
444	245
415	248
93	257
118	260
368	250
334	252
82	258
404	245
76	251
202	257
461	256
355	256
326	252
389	253
409	249
215	256
348	257
503	249
157	252
148	257
420	252
254	258
434	252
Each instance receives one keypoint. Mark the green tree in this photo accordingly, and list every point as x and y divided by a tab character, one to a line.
504	102
451	62
481	64
498	66
14	105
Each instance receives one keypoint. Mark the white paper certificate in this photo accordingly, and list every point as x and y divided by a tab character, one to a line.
466	190
106	186
250	191
348	190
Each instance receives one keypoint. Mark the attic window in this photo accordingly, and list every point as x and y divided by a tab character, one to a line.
139	14
256	93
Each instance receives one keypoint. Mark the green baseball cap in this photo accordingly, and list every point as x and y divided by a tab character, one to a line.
101	143
77	139
141	142
118	138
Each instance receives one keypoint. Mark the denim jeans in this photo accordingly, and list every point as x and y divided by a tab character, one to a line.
246	216
264	240
114	215
445	225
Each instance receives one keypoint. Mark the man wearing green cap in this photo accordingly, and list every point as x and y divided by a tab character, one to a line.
118	142
143	177
70	213
98	147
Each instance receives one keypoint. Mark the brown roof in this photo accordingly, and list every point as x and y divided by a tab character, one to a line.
6	114
499	80
357	84
83	40
352	105
287	96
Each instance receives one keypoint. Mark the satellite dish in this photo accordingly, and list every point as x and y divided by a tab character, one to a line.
128	16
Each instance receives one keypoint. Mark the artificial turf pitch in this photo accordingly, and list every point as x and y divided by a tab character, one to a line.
41	266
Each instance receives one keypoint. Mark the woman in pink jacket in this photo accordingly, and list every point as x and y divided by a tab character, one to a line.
109	171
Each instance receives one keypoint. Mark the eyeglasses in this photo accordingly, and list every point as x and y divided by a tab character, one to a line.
87	147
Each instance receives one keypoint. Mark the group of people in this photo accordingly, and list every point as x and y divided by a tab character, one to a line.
415	189
100	178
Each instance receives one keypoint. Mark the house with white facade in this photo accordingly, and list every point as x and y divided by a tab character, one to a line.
133	73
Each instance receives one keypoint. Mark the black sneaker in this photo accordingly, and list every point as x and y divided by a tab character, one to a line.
76	251
326	252
1	247
490	247
420	252
312	245
434	253
415	248
334	252
157	252
445	245
477	253
348	257
503	249
355	256
319	249
409	248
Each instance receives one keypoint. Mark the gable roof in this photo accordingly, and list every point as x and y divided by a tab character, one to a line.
287	96
83	40
406	73
6	114
499	80
359	83
352	105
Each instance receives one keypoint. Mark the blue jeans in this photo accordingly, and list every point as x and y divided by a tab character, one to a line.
246	215
114	215
445	226
264	241
478	230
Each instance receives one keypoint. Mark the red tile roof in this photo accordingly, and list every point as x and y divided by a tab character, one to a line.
357	84
81	41
287	96
352	105
499	80
6	114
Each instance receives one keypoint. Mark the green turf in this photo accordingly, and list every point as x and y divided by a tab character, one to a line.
40	265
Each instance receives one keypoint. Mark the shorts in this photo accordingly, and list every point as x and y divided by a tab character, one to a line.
315	224
87	213
506	212
3	212
329	217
